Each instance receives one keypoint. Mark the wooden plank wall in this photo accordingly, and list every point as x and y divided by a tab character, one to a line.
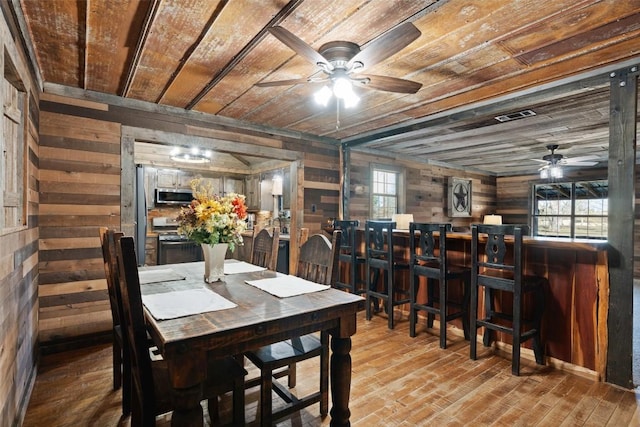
426	196
81	190
19	247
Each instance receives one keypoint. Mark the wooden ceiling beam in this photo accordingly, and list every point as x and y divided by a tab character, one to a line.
285	12
146	26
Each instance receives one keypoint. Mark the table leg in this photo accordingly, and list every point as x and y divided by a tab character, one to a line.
187	373
187	410
340	381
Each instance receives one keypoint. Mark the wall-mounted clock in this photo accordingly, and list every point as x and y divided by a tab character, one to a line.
459	196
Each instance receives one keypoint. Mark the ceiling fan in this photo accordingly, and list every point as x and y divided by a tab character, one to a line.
343	61
554	162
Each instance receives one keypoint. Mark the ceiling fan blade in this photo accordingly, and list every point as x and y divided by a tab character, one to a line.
385	46
388	84
299	46
579	163
539	160
582	158
291	82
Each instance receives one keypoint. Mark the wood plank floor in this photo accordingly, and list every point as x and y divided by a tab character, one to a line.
397	381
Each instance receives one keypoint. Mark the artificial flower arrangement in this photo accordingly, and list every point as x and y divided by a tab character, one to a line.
211	219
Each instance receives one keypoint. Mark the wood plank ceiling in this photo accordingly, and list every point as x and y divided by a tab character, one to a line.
475	59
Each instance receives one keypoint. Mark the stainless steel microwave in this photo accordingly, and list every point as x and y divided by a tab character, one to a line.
169	196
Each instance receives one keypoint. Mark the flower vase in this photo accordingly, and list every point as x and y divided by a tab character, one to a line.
214	261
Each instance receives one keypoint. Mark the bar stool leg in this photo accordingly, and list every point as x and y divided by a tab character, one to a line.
466	288
517	331
414	285
488	310
443	314
473	325
389	291
430	299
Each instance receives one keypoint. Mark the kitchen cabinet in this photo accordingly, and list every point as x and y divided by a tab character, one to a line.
215	183
173	179
286	189
184	180
252	192
167	178
233	185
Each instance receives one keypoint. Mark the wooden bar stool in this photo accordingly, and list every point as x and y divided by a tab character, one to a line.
349	255
496	270
379	255
431	262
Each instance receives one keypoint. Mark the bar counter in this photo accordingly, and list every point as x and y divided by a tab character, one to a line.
577	301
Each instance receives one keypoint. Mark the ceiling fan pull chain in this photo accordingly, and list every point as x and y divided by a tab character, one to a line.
337	114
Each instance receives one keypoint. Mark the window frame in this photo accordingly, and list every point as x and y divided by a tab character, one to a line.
572	216
400	188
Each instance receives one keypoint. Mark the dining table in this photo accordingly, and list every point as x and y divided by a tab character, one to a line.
238	314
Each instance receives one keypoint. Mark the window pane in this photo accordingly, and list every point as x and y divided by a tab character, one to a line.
582	207
547	226
564	207
595	207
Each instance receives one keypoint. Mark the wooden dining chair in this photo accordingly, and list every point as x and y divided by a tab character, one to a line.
317	262
265	248
151	390
121	364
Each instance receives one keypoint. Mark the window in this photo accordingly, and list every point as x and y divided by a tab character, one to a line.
12	145
573	209
386	195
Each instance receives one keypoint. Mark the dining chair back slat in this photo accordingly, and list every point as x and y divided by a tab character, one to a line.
265	248
318	259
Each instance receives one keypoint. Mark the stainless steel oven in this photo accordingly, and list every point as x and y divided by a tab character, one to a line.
173	249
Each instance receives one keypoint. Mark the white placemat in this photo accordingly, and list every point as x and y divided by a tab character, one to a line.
158	275
241	267
170	305
284	286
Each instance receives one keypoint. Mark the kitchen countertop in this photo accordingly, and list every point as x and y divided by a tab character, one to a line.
249	233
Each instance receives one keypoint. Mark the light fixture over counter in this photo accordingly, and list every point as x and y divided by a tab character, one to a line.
192	155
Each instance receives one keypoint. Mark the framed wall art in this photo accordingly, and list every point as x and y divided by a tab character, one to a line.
459	197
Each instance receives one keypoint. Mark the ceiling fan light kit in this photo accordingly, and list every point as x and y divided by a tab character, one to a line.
554	162
553	172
